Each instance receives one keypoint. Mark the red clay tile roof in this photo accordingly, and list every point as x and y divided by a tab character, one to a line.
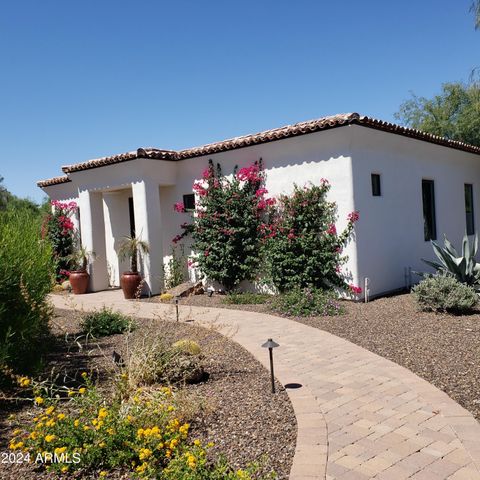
53	181
288	131
122	157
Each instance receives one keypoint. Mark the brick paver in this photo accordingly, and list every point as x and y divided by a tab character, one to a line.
359	415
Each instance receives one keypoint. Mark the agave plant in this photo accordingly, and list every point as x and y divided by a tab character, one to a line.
463	267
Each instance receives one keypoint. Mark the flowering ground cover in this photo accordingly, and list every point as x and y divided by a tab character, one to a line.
186	428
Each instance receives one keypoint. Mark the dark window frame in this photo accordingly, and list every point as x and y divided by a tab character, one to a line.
429	213
469	209
189	202
131	216
376	181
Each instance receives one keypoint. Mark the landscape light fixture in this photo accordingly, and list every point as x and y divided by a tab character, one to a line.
176	307
270	344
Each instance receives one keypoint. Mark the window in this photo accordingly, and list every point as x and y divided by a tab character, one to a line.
189	202
376	188
428	197
131	214
469	209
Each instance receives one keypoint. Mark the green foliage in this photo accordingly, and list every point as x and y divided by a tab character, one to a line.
104	322
463	267
444	293
246	298
454	114
175	274
307	302
302	247
132	247
226	230
26	277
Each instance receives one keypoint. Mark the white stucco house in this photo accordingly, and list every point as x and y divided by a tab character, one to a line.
409	187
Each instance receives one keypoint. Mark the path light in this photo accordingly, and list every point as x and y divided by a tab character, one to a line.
176	306
270	344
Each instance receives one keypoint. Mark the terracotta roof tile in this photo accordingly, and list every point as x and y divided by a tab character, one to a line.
53	181
288	131
122	157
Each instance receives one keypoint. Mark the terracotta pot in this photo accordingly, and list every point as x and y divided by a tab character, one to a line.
130	281
79	281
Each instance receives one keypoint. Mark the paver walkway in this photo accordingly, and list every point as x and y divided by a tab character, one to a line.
359	415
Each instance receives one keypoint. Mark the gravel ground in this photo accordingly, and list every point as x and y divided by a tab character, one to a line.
238	413
443	349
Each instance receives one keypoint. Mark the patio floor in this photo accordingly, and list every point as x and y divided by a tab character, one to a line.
359	415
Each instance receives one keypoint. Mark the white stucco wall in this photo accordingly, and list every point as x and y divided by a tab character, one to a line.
390	233
117	226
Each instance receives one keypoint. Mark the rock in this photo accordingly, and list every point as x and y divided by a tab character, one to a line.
184	289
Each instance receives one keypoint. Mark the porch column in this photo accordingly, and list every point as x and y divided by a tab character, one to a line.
146	206
92	226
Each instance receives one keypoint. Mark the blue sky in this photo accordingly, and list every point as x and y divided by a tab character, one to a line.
81	80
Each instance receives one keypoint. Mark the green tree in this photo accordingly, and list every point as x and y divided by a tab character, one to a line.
454	114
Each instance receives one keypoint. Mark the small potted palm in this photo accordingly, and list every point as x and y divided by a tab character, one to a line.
131	247
79	276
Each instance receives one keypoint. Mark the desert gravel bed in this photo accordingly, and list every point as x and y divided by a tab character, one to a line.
238	413
443	349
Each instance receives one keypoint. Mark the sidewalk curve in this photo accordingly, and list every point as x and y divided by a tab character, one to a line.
359	415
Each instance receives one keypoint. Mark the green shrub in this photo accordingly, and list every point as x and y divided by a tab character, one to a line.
302	245
246	298
26	277
307	302
104	322
444	293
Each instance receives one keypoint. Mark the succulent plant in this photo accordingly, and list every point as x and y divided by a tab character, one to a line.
463	267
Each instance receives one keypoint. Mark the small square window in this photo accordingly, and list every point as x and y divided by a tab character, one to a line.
189	202
376	187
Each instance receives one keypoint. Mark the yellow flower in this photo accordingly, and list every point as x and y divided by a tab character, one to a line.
129	418
102	444
39	424
33	435
103	473
71	393
94	421
60	450
140	432
61	416
39	400
64	469
17	432
168	453
24	382
82	390
192	461
84	374
76	423
111	431
49	410
210	444
141	468
144	453
86	427
20	444
50	438
102	413
170	408
50	423
197	442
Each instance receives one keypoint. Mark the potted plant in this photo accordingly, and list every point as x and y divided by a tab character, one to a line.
131	247
79	276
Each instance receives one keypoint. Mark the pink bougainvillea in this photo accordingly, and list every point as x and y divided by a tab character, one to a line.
353	216
332	229
179	207
354	289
